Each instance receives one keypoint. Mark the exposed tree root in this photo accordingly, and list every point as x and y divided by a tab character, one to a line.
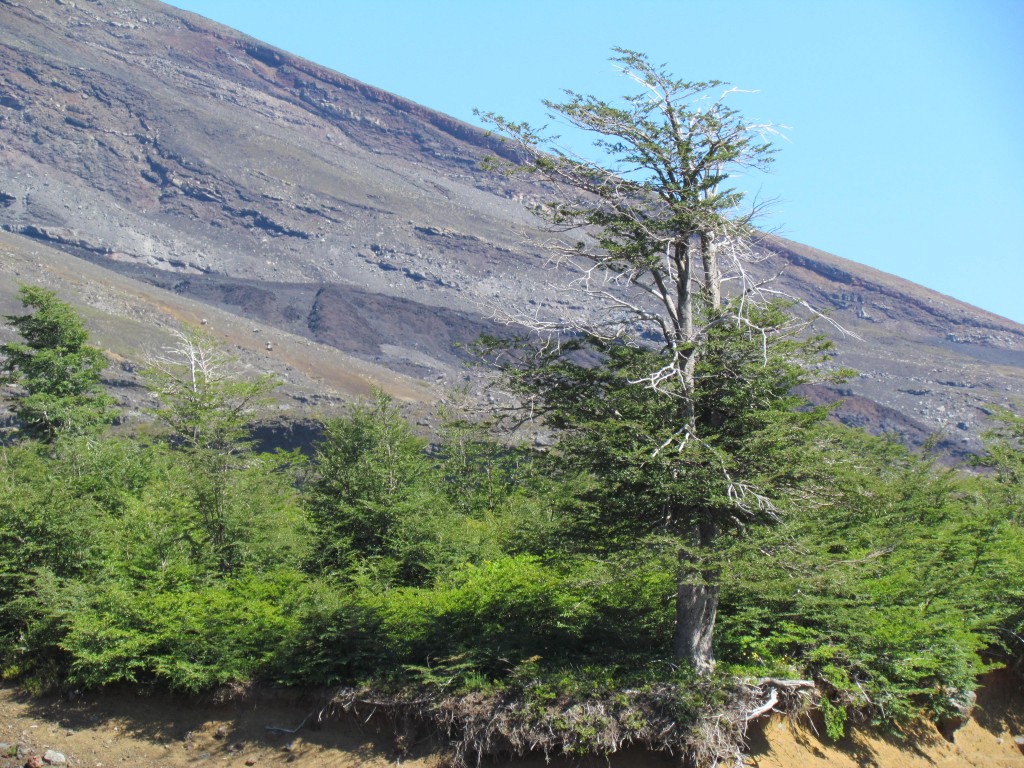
480	726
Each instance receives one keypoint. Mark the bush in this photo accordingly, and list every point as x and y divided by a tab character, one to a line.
190	640
888	594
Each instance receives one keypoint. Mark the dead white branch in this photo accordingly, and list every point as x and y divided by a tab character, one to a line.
768	706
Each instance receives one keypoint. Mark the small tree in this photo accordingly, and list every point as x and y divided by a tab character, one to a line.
55	371
1004	454
209	406
204	398
659	254
372	471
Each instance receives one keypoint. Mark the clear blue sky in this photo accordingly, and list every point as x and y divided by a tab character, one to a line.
905	143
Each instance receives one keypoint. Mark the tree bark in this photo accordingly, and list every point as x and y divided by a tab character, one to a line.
685	335
696	611
697	594
712	274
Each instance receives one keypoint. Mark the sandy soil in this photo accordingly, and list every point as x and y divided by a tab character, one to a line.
985	741
118	728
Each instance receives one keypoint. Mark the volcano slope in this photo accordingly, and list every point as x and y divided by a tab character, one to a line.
211	174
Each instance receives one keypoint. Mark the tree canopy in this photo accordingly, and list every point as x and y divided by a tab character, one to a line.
691	404
56	373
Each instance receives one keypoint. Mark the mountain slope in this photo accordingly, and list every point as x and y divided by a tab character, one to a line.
174	153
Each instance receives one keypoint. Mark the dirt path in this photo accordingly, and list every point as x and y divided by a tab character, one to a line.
117	728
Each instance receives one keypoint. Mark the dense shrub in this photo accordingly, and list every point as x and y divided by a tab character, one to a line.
888	594
472	568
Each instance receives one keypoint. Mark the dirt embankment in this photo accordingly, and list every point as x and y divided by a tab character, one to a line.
987	740
117	728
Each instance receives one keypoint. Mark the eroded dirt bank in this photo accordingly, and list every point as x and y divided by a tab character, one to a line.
118	728
985	741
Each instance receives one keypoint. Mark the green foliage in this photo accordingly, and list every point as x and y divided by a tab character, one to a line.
62	510
628	601
191	640
383	506
209	405
500	611
835	719
124	560
751	452
339	639
1004	456
481	476
56	372
32	625
162	536
372	474
479	568
888	590
482	621
47	517
204	399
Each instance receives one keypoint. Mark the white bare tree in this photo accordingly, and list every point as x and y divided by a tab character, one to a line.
204	397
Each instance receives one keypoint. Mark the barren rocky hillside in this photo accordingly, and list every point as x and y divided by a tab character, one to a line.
158	168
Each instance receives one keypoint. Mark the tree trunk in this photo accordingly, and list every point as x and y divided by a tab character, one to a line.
712	276
684	300
696	611
697	603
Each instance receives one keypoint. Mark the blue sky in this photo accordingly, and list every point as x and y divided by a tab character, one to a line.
904	144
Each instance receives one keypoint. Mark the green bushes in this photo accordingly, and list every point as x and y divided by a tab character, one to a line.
886	590
472	568
191	640
888	594
490	617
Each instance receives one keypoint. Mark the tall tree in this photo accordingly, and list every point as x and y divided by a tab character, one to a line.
657	236
659	253
55	371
